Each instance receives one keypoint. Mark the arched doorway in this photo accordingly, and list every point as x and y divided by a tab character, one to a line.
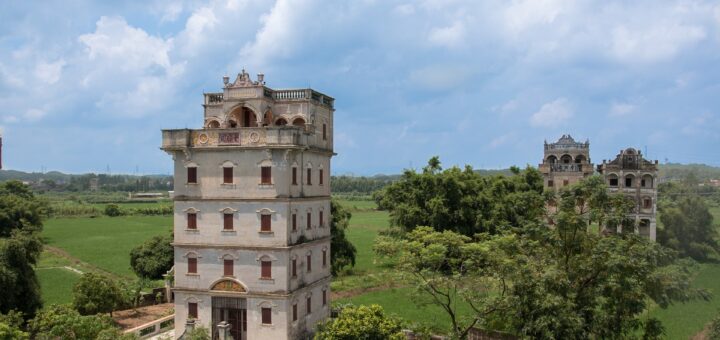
281	122
298	122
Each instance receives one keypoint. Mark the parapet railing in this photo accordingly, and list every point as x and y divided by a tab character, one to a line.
259	92
566	167
153	328
246	136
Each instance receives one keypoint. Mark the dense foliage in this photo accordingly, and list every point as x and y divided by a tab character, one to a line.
687	226
95	293
11	326
21	216
64	322
360	185
342	252
153	258
363	322
549	274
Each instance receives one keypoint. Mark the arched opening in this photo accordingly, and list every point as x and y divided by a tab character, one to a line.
566	159
646	181
551	159
629	179
281	122
612	180
267	118
232	123
213	124
248	118
298	122
242	117
580	159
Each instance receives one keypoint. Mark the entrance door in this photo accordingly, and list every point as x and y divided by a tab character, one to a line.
232	311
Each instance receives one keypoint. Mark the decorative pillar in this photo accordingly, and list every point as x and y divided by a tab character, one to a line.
224	330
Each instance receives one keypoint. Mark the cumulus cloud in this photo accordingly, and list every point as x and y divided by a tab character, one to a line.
552	114
128	47
450	36
655	43
49	73
621	109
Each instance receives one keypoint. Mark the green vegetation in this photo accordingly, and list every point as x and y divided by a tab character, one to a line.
106	242
154	257
342	251
56	285
96	293
363	322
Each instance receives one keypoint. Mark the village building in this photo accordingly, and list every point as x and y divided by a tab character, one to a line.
632	175
252	212
565	162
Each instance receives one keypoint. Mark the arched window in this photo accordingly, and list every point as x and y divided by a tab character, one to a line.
646	181
612	180
629	181
281	122
551	159
213	124
566	159
580	159
298	122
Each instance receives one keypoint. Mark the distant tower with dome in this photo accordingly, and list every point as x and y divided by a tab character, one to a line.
565	162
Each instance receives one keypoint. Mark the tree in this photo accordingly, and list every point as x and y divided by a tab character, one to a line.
687	226
21	216
342	252
11	326
153	258
363	322
95	293
63	322
198	333
113	210
462	200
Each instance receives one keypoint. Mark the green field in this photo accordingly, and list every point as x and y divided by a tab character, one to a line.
56	285
104	242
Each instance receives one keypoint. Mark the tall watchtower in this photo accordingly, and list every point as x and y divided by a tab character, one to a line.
252	211
565	162
632	175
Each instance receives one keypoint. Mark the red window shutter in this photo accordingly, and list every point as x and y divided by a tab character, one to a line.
309	263
266	270
228	175
295	312
228	221
324	131
321	219
309	176
192	221
321	177
309	306
324	257
309	219
324	297
266	316
265	223
294	176
294	267
294	222
192	175
243	319
192	310
265	175
192	265
228	267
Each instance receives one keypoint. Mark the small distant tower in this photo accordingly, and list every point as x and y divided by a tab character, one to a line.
631	174
565	162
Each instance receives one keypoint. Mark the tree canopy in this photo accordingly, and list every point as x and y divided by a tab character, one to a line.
361	322
95	293
342	252
154	257
64	322
687	226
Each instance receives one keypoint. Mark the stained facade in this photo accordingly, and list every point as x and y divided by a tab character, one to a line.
634	176
565	162
252	211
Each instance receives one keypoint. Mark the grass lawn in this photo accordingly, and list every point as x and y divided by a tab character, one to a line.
355	205
56	285
104	242
399	302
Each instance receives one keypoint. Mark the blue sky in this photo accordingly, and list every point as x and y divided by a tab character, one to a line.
87	85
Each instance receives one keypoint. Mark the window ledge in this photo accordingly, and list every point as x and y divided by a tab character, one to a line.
267	280
266	185
192	230
264	232
228	231
192	274
228	185
191	184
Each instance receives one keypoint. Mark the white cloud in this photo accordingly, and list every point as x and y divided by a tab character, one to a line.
171	10
523	15
450	36
34	114
501	140
198	27
128	47
405	9
49	72
659	42
553	114
506	108
621	109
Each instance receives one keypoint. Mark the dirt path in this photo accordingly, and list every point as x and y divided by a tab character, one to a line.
358	291
78	262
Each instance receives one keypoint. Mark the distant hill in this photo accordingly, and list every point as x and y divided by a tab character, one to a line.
675	171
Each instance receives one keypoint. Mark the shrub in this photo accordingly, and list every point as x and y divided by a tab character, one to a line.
95	293
153	258
113	210
362	322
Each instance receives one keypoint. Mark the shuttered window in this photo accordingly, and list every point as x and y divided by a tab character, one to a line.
227	175
295	312
266	316
321	219
294	222
265	175
309	263
320	178
294	176
309	306
192	265
309	219
265	223
192	310
192	221
324	297
192	174
324	256
266	269
309	176
294	267
324	131
228	267
227	221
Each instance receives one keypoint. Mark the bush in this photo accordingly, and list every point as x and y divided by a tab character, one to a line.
113	210
95	293
153	258
363	322
198	333
714	331
63	322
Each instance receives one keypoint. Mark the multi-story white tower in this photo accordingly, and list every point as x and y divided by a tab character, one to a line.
252	211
